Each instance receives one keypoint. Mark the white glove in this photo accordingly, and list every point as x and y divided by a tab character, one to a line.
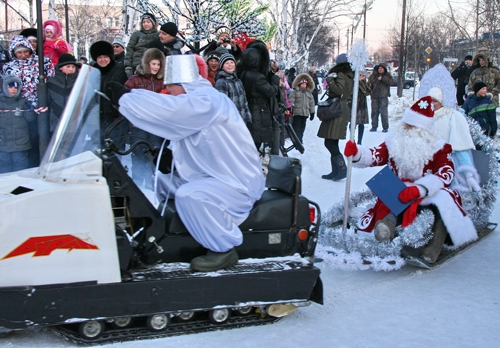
472	184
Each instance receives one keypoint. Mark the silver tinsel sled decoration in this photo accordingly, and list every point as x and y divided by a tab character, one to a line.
355	250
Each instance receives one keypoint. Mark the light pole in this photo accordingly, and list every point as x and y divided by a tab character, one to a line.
366	7
338	39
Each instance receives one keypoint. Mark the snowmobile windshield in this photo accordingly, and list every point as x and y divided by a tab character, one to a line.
76	143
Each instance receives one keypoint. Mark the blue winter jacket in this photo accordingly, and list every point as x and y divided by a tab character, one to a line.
483	110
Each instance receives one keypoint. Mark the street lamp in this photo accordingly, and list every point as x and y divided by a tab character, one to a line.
338	39
366	7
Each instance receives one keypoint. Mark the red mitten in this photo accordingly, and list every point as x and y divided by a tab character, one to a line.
55	47
351	149
409	194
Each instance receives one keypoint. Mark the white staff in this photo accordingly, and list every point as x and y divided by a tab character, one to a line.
358	56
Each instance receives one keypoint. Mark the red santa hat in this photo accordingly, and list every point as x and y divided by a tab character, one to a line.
421	114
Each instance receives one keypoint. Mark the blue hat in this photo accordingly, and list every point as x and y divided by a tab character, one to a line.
342	58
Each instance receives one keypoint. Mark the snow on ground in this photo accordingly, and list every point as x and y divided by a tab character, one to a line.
455	305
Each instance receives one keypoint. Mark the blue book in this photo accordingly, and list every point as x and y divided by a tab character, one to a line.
387	186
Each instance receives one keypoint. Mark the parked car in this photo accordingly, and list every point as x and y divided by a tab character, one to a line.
411	79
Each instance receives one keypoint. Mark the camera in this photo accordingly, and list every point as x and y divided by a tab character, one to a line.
226	40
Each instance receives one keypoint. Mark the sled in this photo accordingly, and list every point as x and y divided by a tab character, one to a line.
446	254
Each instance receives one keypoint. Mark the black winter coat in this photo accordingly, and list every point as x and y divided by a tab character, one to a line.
59	87
110	73
261	92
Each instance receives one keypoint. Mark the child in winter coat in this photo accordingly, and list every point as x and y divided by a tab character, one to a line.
15	113
149	75
60	86
228	83
138	43
54	45
302	101
481	108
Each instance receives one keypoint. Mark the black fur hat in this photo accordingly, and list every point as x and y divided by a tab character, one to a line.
101	48
256	56
29	32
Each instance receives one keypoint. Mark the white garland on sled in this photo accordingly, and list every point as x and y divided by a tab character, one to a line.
355	250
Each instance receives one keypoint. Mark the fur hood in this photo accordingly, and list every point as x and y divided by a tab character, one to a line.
256	57
342	68
149	55
5	82
57	28
310	83
485	56
16	42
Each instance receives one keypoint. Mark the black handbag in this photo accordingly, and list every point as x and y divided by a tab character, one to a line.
330	109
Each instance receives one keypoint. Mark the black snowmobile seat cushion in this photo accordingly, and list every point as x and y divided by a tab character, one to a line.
273	211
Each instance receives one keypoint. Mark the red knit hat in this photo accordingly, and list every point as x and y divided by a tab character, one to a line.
421	114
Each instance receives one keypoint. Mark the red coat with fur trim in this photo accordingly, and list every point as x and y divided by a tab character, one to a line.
437	175
56	46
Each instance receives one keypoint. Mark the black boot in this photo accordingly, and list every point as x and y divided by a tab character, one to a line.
431	251
214	261
341	167
334	171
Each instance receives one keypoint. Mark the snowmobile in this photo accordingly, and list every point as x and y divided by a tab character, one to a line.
85	252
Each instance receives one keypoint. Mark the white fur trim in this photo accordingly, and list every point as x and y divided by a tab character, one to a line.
432	183
418	120
436	93
460	228
365	157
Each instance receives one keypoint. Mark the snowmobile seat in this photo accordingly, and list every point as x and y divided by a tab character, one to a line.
273	211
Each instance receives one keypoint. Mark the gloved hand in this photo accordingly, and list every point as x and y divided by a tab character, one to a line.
128	71
409	194
473	184
114	91
351	149
54	46
311	116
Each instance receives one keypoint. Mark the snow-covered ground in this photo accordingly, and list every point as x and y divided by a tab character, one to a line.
454	305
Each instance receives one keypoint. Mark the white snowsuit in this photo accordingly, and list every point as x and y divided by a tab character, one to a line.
218	174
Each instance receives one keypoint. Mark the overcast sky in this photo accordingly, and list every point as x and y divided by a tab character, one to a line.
383	15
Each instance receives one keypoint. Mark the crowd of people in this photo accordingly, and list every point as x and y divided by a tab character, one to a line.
263	92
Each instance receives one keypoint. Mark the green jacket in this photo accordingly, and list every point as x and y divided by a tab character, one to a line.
340	83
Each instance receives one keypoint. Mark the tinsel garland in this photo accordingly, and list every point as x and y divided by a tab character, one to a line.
355	250
360	250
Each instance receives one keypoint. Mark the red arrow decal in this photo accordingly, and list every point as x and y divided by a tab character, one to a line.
43	246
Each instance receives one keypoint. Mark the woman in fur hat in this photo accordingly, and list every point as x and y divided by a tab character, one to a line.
224	40
102	53
138	43
302	101
340	84
54	45
149	75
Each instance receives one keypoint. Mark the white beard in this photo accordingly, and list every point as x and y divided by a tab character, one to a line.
411	149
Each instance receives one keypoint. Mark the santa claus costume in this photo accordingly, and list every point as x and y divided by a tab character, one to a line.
421	159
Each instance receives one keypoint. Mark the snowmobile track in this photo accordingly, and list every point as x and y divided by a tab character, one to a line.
70	332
